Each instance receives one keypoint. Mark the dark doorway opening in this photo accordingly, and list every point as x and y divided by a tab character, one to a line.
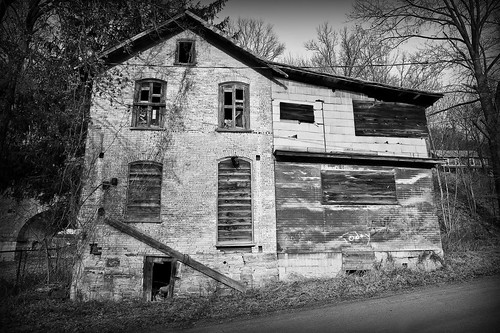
159	278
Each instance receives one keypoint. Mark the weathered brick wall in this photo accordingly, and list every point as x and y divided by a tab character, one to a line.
339	124
189	149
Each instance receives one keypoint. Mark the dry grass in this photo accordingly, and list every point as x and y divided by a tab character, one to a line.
26	313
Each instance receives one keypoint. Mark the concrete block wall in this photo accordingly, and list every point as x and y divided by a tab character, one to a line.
309	265
325	265
339	124
189	149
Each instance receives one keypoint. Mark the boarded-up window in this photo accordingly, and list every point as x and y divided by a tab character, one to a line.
149	104
301	112
389	119
356	187
234	202
234	107
144	192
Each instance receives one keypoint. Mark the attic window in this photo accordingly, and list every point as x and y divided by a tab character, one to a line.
185	54
302	112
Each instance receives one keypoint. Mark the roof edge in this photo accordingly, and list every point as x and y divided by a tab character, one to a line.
372	89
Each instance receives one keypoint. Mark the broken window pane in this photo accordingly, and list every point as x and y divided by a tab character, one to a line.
155	116
234	112
156	88
142	116
228	98
148	104
239	118
144	92
239	94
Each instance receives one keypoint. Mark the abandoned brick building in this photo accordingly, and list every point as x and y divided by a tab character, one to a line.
209	167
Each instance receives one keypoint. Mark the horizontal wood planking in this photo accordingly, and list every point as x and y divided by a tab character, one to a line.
234	202
146	239
389	119
305	225
358	187
357	260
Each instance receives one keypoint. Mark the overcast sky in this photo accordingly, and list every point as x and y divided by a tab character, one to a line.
294	21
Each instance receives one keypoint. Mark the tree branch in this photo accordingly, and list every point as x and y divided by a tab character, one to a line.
453	106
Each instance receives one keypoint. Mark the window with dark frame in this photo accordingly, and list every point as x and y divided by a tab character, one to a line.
234	223
144	192
304	113
149	104
185	54
234	109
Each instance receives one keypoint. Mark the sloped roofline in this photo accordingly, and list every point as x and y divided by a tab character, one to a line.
375	90
183	21
187	20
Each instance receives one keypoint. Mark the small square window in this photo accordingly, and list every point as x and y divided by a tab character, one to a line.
185	53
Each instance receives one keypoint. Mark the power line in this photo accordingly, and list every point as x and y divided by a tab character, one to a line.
423	63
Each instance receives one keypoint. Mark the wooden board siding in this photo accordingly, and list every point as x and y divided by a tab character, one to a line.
389	119
355	187
234	202
302	112
357	260
306	225
144	192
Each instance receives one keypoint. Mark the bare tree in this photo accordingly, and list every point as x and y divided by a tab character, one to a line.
359	53
351	52
461	34
256	36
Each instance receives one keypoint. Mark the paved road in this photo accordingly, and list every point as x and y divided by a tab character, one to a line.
467	307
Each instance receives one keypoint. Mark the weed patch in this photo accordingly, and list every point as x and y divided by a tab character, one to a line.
23	313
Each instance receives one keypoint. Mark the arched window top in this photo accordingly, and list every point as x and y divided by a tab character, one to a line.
234	83
144	191
235	224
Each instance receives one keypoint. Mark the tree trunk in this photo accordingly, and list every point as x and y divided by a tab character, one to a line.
491	118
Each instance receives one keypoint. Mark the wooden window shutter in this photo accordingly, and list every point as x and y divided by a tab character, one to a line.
301	112
234	202
389	119
354	187
144	192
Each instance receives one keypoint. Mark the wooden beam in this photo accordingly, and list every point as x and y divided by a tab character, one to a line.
352	158
184	258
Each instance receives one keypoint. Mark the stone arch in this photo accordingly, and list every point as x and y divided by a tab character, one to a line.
37	229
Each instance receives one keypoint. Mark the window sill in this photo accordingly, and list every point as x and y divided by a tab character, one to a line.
222	245
185	64
147	129
132	220
233	130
